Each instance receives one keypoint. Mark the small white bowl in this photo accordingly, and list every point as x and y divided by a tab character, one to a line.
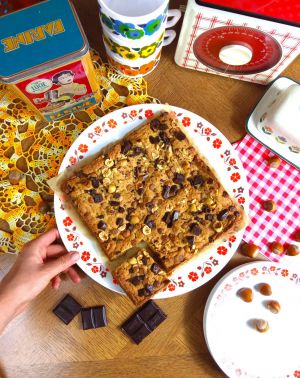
275	120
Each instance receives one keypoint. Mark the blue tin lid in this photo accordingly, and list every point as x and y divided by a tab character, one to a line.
39	37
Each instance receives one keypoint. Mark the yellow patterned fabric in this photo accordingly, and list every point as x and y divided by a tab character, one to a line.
31	152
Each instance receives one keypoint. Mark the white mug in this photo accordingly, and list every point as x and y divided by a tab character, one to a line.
136	19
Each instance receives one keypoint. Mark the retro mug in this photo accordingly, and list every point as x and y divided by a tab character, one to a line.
136	19
135	52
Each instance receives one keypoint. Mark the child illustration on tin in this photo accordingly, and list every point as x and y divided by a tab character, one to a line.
65	92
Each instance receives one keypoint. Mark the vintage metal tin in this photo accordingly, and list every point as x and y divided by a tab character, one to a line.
44	55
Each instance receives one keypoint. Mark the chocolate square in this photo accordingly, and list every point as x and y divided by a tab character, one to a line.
67	309
148	310
93	317
133	324
141	333
144	321
156	319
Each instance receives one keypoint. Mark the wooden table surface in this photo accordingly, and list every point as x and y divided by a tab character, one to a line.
37	344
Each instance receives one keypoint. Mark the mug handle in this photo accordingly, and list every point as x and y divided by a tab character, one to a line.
169	37
175	15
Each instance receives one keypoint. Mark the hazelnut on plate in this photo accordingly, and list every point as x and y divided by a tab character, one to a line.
265	289
261	325
245	294
274	306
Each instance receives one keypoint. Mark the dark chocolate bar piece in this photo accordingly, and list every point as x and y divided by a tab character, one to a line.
143	321
141	333
93	317
67	309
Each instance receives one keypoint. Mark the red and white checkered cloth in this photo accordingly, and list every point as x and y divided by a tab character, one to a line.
281	185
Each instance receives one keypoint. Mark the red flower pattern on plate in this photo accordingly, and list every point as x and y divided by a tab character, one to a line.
70	237
67	221
83	148
254	271
85	256
222	250
72	160
207	269
112	123
217	143
232	238
186	121
148	113
297	373
241	200
193	276
235	177
272	268
95	269
232	161
284	272
207	131
97	129
171	287
133	113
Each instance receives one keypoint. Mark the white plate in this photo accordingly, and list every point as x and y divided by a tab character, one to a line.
213	145
260	110
239	349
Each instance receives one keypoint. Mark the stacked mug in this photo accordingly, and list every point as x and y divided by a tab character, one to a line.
134	33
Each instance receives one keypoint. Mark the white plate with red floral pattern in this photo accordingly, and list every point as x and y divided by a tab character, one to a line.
235	344
214	147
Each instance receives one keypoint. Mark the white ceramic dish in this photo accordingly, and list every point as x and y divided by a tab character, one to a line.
237	347
214	147
257	128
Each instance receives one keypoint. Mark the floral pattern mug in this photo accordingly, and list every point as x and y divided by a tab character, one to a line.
135	51
137	19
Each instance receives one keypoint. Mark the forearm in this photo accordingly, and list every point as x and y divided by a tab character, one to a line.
8	309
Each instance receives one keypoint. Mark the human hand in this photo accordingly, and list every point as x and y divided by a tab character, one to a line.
41	261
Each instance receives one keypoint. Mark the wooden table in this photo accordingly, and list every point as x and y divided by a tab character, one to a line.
37	344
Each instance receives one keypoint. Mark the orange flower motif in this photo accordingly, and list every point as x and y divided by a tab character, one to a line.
222	250
272	268
171	287
72	160
232	161
133	113
112	123
83	148
207	269
70	237
97	129
85	256
67	221
217	143
235	177
145	68
254	271
297	373
232	238
207	131
129	71
284	272
193	276
95	269
148	113
186	121
241	200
